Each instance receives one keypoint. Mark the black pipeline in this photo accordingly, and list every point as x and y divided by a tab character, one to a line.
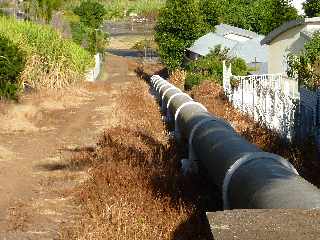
248	177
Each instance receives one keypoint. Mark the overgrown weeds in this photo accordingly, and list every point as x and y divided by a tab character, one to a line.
12	62
135	189
178	78
51	62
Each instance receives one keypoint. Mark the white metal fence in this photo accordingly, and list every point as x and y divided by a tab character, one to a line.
275	101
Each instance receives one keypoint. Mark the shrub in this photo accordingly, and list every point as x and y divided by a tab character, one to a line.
239	67
79	32
51	61
210	67
179	24
91	14
306	66
12	61
267	15
193	79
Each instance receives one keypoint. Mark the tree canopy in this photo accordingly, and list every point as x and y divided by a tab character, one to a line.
261	16
179	24
91	13
312	8
88	30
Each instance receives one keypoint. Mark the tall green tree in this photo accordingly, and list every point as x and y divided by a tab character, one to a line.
312	8
212	11
179	24
261	16
266	15
91	15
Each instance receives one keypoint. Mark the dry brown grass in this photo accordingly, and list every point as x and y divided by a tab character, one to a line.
135	189
303	157
178	78
39	74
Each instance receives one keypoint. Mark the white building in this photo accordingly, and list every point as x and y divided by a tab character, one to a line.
240	42
288	38
298	4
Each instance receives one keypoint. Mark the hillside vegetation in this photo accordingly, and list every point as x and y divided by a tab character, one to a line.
118	9
51	61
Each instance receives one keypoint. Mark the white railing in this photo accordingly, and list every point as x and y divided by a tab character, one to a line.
270	99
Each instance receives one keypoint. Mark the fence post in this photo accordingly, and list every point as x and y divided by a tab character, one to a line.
317	130
226	77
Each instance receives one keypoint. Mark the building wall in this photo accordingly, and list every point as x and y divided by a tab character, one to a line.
298	5
287	42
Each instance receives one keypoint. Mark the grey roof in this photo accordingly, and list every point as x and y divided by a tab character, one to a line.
286	26
224	29
250	51
206	43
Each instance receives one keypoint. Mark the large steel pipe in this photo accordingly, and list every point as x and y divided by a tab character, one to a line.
247	176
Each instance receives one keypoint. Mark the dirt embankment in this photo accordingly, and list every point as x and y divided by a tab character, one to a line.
60	182
136	189
38	136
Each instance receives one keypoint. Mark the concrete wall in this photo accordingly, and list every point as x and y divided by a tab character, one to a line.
94	72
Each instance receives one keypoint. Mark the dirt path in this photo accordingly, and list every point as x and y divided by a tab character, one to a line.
34	149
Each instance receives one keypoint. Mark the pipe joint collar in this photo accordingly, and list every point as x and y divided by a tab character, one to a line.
171	99
155	81
164	85
243	160
160	84
164	94
176	125
155	77
188	104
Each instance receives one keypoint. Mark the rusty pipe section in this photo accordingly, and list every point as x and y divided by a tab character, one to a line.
248	177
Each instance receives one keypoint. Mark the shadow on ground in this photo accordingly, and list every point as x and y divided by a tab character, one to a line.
79	157
129	53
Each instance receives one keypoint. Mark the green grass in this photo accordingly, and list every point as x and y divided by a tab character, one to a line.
56	57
